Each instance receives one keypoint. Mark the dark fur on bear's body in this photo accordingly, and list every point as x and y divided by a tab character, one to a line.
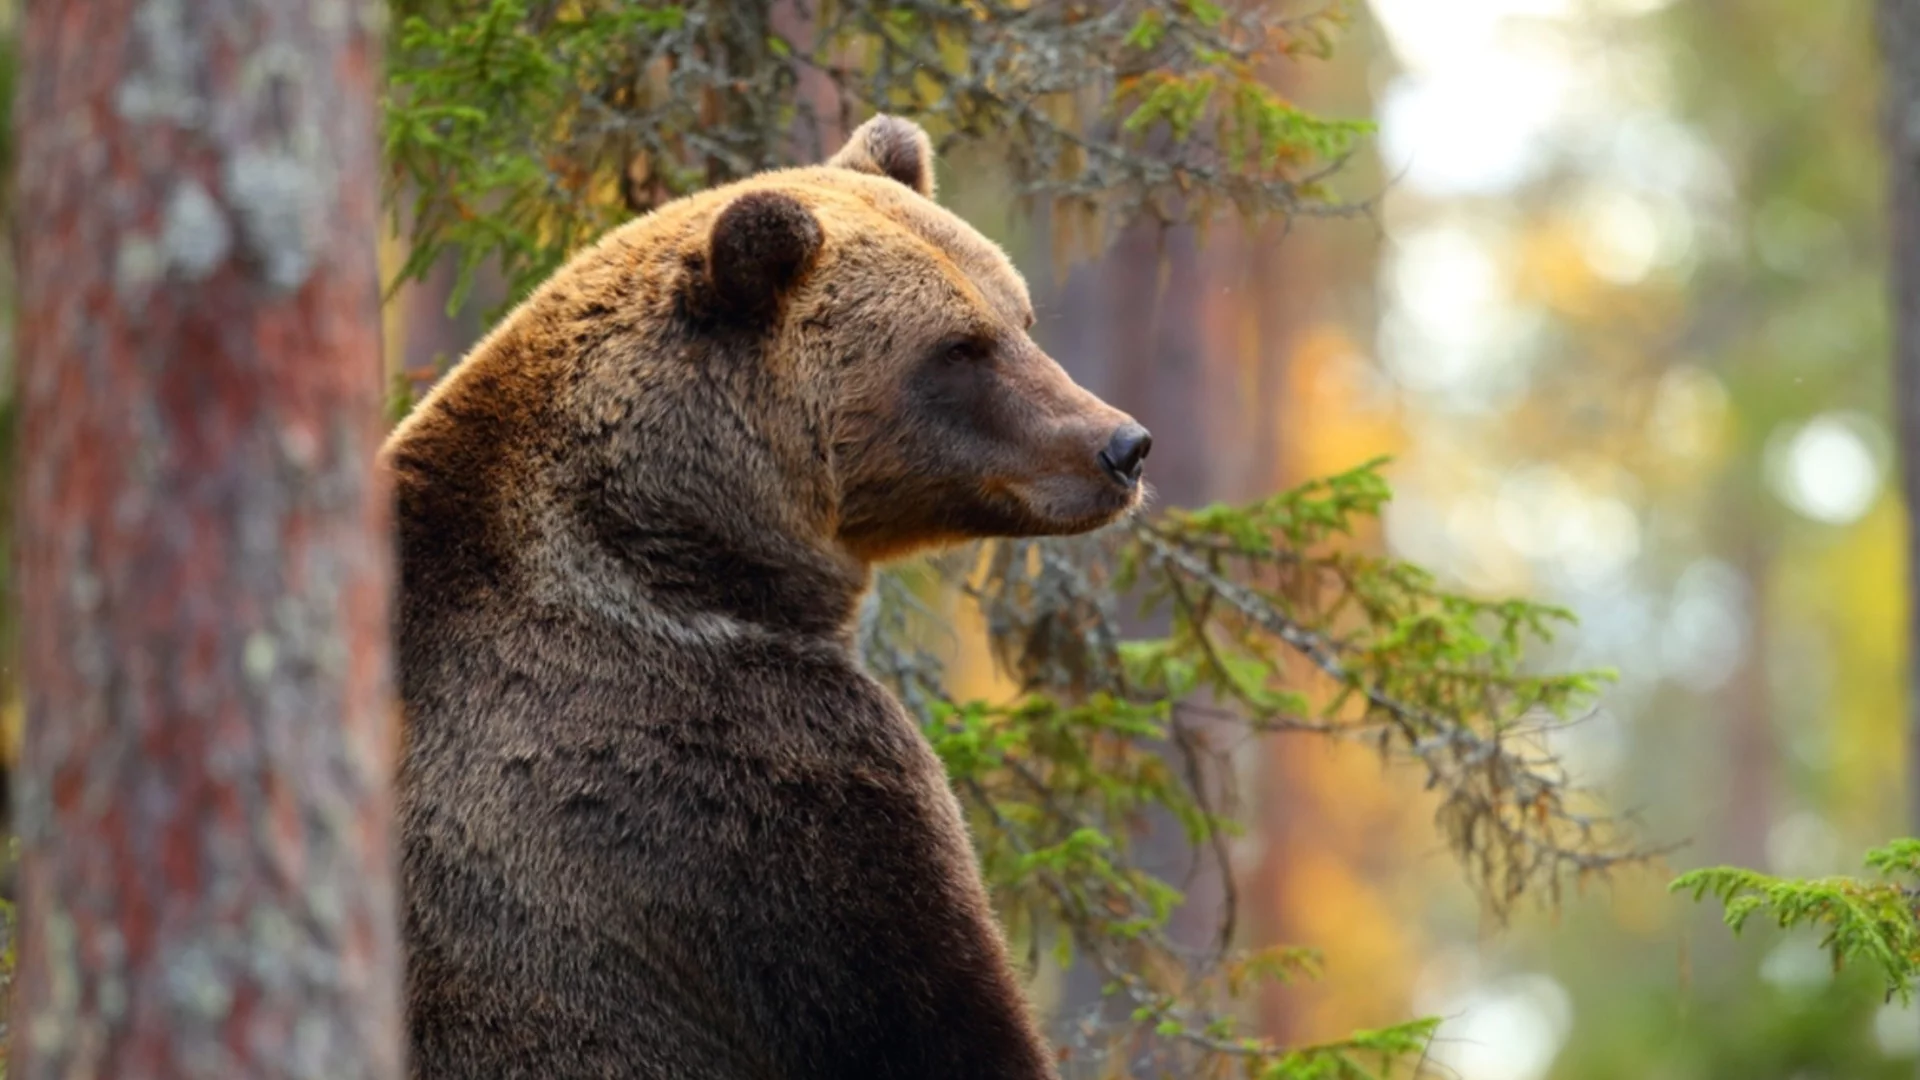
656	822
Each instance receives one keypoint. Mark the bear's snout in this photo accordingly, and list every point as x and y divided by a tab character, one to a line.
1126	453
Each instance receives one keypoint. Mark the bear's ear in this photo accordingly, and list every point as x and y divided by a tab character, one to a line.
891	147
760	246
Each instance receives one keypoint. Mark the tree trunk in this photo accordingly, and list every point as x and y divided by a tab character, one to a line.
1899	29
1129	330
1752	751
1900	44
203	805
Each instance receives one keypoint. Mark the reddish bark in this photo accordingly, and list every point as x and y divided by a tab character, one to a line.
203	804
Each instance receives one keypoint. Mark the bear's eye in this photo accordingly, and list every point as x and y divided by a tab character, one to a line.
963	351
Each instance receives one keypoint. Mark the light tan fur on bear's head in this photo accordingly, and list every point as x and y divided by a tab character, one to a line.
778	383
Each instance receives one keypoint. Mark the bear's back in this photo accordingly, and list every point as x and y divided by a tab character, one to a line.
588	844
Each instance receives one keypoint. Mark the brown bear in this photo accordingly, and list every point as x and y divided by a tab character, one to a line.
656	822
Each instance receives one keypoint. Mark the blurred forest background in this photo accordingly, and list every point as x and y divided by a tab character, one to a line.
1620	318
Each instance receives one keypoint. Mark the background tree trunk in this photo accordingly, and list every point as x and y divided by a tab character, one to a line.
1900	48
1900	44
203	803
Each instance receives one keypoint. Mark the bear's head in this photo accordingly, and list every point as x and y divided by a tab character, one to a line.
943	420
742	400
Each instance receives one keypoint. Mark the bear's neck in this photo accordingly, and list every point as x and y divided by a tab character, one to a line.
712	500
497	515
721	557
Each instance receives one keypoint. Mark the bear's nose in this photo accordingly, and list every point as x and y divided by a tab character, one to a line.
1126	452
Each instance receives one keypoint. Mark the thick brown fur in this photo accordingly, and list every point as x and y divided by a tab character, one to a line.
656	822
